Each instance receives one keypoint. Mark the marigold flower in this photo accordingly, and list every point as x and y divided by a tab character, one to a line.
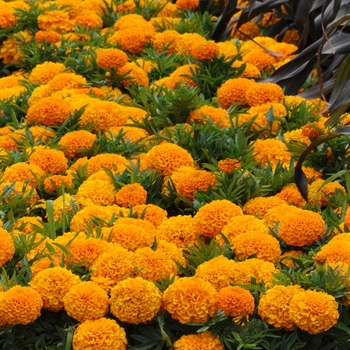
274	306
154	265
66	81
116	264
300	227
135	300
135	74
320	193
246	31
101	334
166	39
49	111
169	157
7	16
26	224
20	305
187	4
233	91
260	59
111	58
19	188
314	312
212	217
264	246
43	73
75	142
152	213
86	251
113	162
178	76
250	71
89	19
291	36
48	37
7	248
129	236
53	284
291	195
218	272
204	51
103	115
190	299
285	257
131	194
55	20
235	301
51	183
130	134
49	160
240	225
260	93
228	165
23	172
337	249
227	49
199	341
127	6
209	113
86	301
10	50
271	151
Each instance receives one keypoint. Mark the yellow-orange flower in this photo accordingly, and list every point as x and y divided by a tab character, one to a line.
274	306
233	91
111	58
26	224
152	213
7	15
49	111
212	217
131	194
66	81
261	205
47	36
178	76
314	312
53	284
246	31
209	113
23	172
49	160
96	192
111	161
190	299
199	341
291	195
218	272
169	157
21	305
101	334
44	72
86	301
135	300
187	4
228	165
7	248
55	20
135	74
260	59
260	93
51	183
166	39
204	50
235	301
74	142
89	19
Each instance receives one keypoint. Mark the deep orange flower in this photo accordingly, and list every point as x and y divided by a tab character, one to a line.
187	4
26	224
49	160
44	72
260	93
135	75
199	341
165	39
250	29
113	162
131	194
135	300
89	19
49	37
152	213
209	113
260	59
57	181
23	172
228	165
7	248
55	20
75	142
66	81
291	195
111	58
190	299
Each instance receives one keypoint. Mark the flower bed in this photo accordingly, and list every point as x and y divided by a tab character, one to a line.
148	197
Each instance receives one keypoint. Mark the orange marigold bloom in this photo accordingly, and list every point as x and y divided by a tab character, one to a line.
199	341
55	20
49	111
86	301
44	72
131	194
188	181
135	300
7	15
51	183
291	195
40	133
166	39
66	81
130	134
314	312
300	227
10	50
154	265
116	264
259	58
101	334
169	157
209	113
113	162
212	217
53	284
152	213
187	4
111	58
235	301
103	115
250	71
9	82
129	236
285	257
264	246
260	270
20	305
178	77
271	151
7	248
177	229
204	51
49	37
260	93
86	251
26	224
50	160
274	306
273	215
337	249
190	299
96	192
89	19
19	188
75	142
227	49
218	272
23	172
246	31
240	225
228	165
233	91
321	194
